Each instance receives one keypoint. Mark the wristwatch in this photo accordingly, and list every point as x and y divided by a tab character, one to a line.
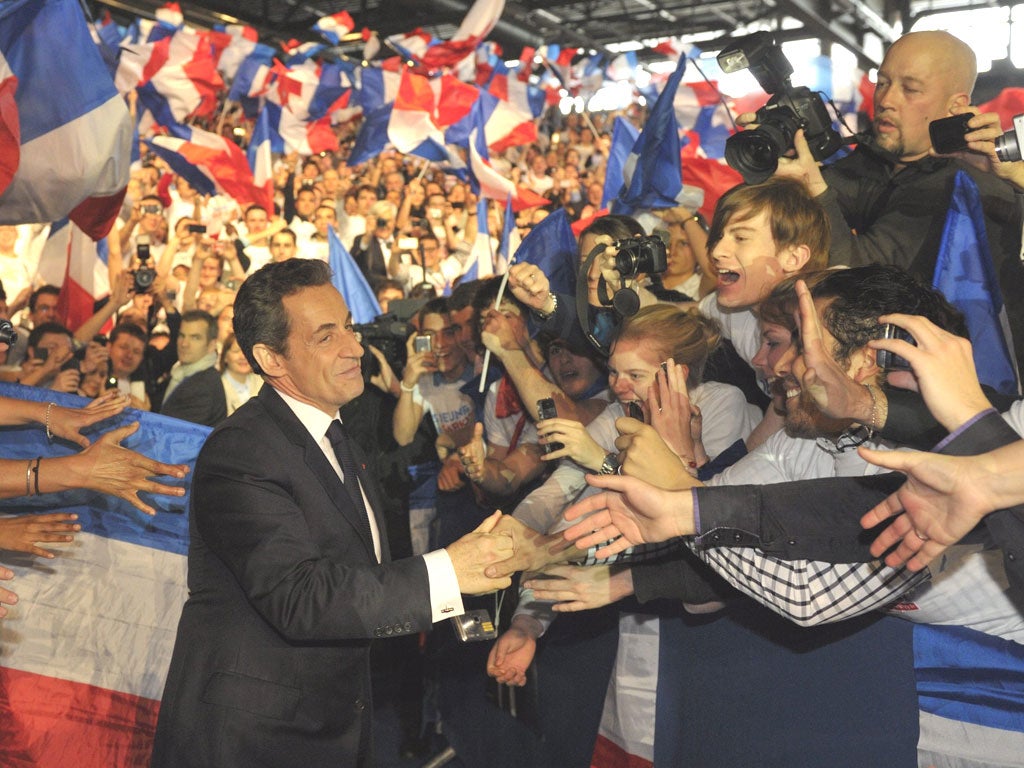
554	307
610	465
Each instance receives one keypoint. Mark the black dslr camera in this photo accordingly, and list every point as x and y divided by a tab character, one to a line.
640	256
144	275
7	333
755	153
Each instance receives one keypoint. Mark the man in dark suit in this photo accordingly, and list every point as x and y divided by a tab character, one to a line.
289	570
195	392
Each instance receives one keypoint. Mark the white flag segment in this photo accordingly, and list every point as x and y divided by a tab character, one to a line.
480	20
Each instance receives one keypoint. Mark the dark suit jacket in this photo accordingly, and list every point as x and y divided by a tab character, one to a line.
271	662
370	260
199	398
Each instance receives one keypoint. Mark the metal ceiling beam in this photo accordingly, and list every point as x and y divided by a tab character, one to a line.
803	10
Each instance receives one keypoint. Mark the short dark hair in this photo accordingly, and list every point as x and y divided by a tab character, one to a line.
289	232
199	315
463	293
128	329
260	316
44	328
857	297
438	306
53	290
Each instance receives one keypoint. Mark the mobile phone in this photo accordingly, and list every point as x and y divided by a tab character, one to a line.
634	411
474	625
110	383
199	229
42	354
947	133
100	339
422	344
546	410
887	360
408	243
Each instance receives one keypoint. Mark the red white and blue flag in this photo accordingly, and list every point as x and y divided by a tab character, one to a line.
86	650
181	68
65	133
78	265
211	164
335	26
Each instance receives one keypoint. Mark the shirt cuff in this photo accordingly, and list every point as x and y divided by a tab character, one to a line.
445	598
961	429
696	513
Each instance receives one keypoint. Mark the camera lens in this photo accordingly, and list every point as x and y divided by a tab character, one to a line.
7	333
1009	145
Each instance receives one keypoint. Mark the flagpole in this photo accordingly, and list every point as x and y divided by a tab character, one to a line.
497	305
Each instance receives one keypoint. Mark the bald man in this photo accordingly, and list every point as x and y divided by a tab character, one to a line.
888	200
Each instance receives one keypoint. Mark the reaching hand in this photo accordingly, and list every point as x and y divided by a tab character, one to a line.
646	456
21	533
473	455
107	467
803	167
7	597
581	587
533	550
943	499
629	512
471	554
513	652
68	423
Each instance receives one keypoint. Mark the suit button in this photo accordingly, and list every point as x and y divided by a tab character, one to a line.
359	705
737	537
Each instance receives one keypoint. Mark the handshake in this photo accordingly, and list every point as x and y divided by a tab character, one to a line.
485	559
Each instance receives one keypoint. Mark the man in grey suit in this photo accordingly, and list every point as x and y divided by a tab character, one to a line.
289	571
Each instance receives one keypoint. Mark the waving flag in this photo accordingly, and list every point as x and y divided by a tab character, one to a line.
412	127
335	26
476	25
350	281
86	650
481	259
372	136
242	41
551	247
964	273
653	171
253	77
78	265
211	164
510	238
64	129
181	68
492	184
261	158
624	136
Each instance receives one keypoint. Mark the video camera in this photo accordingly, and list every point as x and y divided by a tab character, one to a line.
8	334
755	153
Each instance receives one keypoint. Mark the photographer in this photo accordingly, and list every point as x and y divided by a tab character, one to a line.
372	250
889	199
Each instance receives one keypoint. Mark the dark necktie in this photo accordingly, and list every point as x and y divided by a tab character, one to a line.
343	450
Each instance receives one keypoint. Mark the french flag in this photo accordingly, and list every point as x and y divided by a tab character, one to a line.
261	158
335	26
503	125
181	68
423	108
243	41
211	164
492	184
412	45
86	650
78	264
65	133
477	24
307	137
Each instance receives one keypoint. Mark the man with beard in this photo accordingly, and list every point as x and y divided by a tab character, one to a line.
888	200
848	304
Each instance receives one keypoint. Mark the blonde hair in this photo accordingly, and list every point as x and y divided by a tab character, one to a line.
687	337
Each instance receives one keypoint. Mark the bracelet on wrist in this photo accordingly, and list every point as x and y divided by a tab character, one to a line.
554	306
35	471
46	423
401	386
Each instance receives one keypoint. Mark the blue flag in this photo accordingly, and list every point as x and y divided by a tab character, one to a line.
350	282
372	136
481	249
965	275
653	171
624	136
551	246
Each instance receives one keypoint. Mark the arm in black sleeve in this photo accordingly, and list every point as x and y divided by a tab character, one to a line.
681	577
